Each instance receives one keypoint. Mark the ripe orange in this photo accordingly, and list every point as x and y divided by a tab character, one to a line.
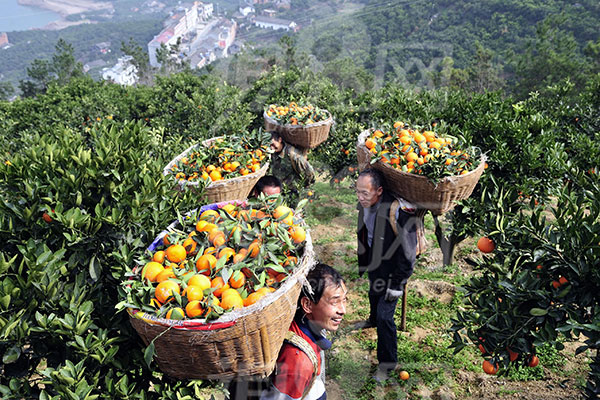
210	215
220	240
370	143
253	298
533	361
206	263
165	274
226	252
155	303
193	293
482	349
298	234
283	211
486	245
219	285
254	249
489	368
202	281
194	309
189	245
237	280
176	313
176	253
151	271
159	256
232	301
215	175
562	280
229	209
46	217
512	356
404	375
555	284
165	290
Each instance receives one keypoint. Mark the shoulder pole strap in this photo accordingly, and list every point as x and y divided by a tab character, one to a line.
303	345
393	209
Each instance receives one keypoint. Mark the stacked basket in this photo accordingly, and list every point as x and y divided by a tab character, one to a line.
243	342
306	136
225	190
417	188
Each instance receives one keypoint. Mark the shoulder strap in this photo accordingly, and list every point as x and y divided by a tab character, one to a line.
303	345
393	209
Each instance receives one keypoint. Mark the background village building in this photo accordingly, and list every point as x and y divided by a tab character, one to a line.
123	73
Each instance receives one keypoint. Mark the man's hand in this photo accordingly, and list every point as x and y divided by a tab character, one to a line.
393	295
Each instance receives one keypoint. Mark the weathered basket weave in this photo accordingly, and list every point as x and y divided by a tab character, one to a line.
225	190
306	136
240	343
418	189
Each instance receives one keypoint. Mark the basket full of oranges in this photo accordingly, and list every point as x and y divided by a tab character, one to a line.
303	125
430	170
222	168
217	290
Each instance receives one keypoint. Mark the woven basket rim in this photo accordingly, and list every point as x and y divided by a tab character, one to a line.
327	121
214	185
444	180
306	263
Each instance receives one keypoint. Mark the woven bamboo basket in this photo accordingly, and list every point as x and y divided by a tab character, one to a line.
305	136
225	190
240	343
418	189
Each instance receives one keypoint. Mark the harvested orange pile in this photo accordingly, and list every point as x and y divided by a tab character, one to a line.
422	151
219	261
225	158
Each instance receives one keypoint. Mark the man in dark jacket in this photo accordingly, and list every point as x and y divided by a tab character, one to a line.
388	260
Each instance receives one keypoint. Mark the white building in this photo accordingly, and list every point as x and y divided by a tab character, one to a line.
123	73
275	23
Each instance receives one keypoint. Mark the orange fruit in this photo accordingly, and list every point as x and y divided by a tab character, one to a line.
220	240
298	234
151	271
512	356
533	361
229	209
404	375
159	256
232	301
46	217
193	293
489	368
210	215
562	280
189	245
165	274
226	252
239	257
155	303
555	284
412	156
176	313
215	175
370	143
210	250
165	290
253	298
219	285
486	245
201	224
237	280
202	281
283	211
206	263
214	234
254	249
176	253
194	309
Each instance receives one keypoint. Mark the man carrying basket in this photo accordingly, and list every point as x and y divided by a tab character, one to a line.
290	164
300	369
387	257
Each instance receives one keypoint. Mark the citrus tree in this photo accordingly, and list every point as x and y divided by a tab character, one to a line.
539	285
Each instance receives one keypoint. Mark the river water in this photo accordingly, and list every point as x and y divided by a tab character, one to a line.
15	17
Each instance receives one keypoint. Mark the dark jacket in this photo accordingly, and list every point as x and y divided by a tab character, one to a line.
390	261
